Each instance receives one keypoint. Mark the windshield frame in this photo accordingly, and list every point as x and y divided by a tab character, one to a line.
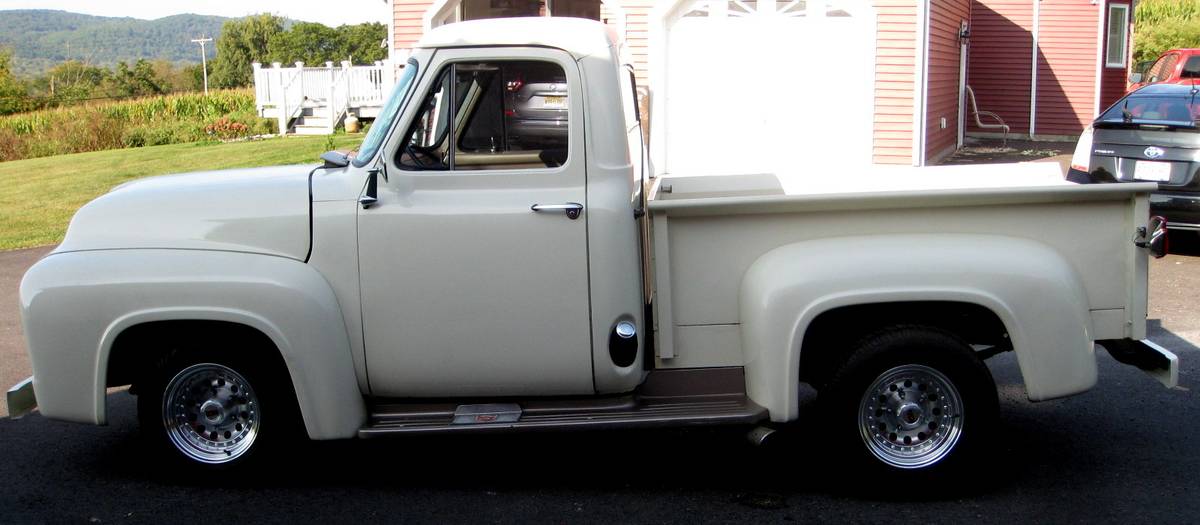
380	131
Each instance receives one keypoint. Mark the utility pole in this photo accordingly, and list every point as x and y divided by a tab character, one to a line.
203	60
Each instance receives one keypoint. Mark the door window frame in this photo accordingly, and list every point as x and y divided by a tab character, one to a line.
446	57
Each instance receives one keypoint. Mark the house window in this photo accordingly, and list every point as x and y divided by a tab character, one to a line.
1118	36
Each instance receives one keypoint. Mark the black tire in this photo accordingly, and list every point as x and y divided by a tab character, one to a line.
897	402
250	411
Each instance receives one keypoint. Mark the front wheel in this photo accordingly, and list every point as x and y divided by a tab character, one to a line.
211	413
207	408
913	400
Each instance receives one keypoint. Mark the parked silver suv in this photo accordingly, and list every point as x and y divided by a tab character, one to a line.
535	104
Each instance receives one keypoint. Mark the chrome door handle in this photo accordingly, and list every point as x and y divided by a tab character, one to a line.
572	209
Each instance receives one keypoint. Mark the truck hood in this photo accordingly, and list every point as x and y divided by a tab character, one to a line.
257	210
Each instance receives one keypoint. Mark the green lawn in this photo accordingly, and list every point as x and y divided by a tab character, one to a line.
39	196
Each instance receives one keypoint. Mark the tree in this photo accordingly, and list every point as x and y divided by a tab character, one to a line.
365	43
135	82
71	80
242	42
306	41
13	94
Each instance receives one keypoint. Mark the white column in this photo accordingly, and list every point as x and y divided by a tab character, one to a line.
281	105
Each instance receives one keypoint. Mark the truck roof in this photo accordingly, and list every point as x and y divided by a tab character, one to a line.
577	36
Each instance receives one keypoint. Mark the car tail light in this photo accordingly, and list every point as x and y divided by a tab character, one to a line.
515	84
1082	159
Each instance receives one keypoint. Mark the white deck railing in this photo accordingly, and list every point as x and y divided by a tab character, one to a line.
330	91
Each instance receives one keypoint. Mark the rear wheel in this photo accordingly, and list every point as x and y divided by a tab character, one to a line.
913	400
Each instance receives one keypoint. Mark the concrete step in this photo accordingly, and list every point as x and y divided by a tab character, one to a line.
312	121
312	130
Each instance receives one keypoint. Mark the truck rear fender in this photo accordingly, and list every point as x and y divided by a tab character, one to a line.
1032	289
102	294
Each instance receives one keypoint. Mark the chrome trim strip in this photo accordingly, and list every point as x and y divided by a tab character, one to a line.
21	399
1182	226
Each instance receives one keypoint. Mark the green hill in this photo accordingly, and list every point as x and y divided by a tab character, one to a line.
41	38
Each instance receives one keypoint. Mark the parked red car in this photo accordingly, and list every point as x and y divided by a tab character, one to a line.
1177	66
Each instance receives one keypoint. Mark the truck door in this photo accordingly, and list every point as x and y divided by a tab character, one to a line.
473	261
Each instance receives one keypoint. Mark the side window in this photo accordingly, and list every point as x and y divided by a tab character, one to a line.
1163	68
489	116
1191	68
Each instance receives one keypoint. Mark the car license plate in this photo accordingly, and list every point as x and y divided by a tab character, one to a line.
554	102
1152	171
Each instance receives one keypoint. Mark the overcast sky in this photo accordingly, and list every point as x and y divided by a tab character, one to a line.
329	13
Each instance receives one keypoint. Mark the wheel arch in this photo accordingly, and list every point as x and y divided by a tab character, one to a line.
1028	287
77	305
121	355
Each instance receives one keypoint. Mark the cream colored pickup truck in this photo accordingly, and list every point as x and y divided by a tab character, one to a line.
446	279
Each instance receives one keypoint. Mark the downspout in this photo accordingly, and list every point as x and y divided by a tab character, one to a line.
1100	14
920	74
1037	22
391	34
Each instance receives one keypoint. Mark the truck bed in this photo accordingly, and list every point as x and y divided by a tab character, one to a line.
708	231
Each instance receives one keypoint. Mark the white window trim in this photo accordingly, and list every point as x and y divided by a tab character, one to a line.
1108	62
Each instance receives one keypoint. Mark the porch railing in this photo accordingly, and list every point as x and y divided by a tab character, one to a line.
330	91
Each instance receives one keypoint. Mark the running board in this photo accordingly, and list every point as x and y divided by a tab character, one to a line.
710	403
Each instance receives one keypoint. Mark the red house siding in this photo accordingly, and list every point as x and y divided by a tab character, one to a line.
1000	58
945	18
1066	83
895	59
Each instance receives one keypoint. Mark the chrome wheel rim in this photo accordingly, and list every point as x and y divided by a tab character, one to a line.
210	413
911	417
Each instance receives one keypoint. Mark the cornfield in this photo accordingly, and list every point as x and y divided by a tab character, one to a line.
1166	11
188	106
140	122
1160	25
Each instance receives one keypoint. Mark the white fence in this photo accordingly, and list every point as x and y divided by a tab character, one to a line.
329	92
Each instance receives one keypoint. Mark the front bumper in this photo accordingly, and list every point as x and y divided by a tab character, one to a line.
1158	362
21	399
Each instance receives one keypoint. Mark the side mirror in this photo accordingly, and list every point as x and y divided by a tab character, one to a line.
1135	78
335	159
1153	237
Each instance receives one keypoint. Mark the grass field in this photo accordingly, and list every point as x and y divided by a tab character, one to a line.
39	196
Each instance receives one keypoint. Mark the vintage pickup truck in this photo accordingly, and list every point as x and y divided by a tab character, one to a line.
446	279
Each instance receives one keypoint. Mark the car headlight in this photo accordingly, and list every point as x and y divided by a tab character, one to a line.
1082	159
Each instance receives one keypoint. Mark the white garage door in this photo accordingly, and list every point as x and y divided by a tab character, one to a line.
768	86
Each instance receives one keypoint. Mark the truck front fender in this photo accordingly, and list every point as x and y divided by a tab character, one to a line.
76	304
1032	289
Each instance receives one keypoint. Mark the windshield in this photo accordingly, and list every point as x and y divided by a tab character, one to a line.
1164	109
387	116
